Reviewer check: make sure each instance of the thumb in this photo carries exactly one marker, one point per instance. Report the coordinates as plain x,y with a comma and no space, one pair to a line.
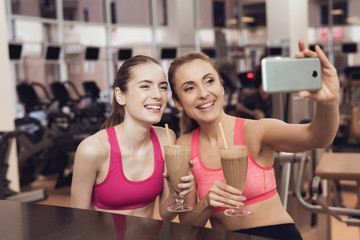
304,94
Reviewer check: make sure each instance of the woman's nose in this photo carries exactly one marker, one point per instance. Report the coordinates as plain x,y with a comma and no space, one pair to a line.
203,92
156,93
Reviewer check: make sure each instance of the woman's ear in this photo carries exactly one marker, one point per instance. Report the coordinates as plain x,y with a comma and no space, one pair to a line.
120,96
177,104
222,85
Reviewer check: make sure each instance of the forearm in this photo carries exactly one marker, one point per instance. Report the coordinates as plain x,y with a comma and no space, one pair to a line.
81,192
168,196
199,216
325,124
79,202
164,213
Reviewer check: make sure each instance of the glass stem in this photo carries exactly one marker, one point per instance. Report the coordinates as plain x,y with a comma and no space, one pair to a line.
179,200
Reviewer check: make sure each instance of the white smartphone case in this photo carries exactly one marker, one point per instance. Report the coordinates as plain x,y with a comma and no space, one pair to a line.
291,74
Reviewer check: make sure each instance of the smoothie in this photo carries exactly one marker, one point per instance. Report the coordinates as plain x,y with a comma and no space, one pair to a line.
234,161
177,160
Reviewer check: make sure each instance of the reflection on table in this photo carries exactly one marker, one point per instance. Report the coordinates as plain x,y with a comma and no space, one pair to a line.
35,221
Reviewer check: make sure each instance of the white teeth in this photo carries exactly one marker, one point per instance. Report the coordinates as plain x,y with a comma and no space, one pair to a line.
153,107
206,105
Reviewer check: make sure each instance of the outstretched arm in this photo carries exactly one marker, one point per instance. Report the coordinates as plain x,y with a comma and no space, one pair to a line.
325,124
322,129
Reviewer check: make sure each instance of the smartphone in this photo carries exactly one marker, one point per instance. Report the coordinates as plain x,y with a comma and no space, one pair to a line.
290,74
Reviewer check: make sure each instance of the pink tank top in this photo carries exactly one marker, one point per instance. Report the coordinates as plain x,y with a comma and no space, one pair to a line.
116,192
260,182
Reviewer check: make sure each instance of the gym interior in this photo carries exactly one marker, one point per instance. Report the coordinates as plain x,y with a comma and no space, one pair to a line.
60,58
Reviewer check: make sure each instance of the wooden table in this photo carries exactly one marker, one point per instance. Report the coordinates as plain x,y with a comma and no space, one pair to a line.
340,166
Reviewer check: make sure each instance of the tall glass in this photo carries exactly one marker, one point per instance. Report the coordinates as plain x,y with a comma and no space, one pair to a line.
177,160
234,161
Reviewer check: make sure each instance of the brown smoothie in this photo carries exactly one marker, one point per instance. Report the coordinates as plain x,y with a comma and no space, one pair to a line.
234,161
177,160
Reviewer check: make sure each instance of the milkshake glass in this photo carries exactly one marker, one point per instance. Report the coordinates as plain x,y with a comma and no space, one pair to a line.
234,161
177,160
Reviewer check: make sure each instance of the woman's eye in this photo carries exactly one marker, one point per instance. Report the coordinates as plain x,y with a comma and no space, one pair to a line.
163,88
187,89
211,80
144,86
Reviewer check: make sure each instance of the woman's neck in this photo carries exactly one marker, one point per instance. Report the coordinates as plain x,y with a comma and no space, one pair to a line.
132,134
210,131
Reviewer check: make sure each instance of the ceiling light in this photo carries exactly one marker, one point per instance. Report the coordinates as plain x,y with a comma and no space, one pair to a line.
232,21
353,20
337,12
248,19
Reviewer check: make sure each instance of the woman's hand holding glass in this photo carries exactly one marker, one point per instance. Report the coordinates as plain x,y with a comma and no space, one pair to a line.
223,195
187,184
178,163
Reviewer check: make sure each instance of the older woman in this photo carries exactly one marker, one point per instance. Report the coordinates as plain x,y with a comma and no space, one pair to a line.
198,94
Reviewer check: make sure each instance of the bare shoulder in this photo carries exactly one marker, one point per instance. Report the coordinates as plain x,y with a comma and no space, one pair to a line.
185,139
269,130
162,135
161,131
94,147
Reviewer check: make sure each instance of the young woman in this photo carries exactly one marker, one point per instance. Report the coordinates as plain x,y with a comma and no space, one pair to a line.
121,168
198,94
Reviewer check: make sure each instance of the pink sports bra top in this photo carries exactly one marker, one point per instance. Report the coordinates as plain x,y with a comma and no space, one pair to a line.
116,192
260,182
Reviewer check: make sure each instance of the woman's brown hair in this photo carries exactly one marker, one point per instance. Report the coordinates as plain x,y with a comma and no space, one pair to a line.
186,123
123,76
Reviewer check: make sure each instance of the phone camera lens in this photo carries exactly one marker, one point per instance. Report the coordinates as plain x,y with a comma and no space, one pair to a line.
314,73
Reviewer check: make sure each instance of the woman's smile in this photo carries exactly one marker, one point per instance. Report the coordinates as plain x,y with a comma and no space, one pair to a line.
154,107
205,107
